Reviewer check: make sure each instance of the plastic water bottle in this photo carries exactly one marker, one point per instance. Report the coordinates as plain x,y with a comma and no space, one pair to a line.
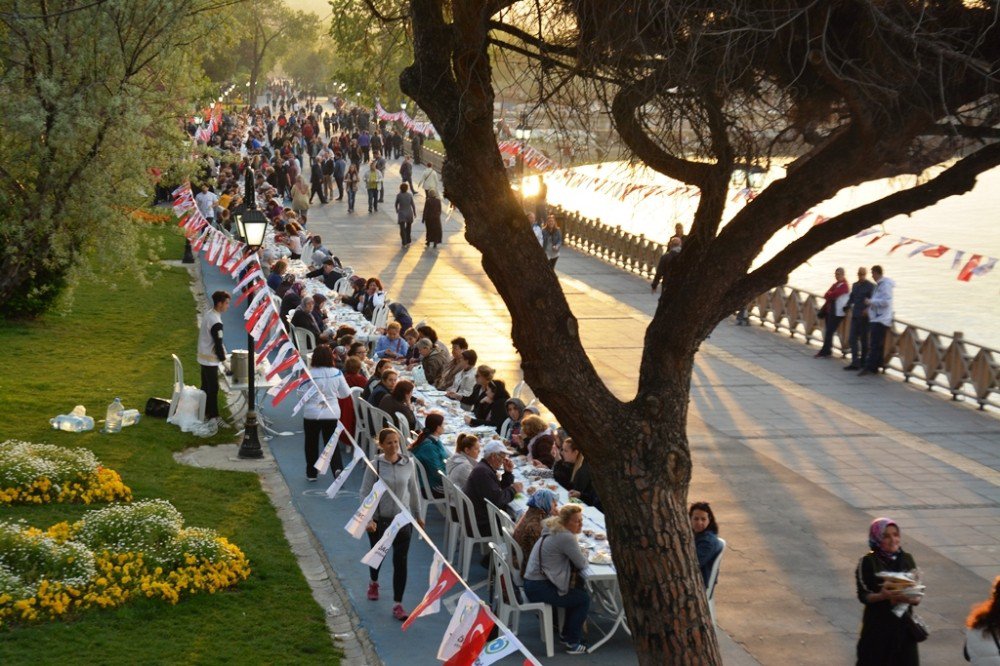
130,417
72,423
113,420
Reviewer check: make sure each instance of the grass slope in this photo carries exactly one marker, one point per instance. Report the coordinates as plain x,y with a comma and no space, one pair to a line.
117,342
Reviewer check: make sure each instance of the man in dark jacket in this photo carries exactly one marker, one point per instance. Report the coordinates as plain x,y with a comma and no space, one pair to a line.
483,484
673,249
861,291
328,271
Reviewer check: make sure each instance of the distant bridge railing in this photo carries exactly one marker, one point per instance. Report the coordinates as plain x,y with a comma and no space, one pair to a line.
941,361
633,252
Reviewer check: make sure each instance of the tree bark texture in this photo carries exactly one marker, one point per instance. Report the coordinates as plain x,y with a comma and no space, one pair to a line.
639,449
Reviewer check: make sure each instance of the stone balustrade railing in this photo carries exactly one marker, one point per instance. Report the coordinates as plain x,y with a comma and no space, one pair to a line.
942,361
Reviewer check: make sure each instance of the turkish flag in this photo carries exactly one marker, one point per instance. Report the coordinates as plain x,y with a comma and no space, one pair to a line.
936,252
474,641
967,271
445,582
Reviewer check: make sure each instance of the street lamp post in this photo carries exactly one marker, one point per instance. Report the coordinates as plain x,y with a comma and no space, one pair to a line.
252,225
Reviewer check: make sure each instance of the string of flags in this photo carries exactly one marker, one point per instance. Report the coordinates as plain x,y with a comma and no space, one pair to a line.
969,264
212,122
465,640
409,123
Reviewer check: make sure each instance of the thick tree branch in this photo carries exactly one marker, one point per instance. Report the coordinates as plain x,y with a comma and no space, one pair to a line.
627,101
953,181
966,131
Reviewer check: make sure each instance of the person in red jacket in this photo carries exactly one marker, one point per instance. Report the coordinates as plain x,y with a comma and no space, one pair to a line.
833,311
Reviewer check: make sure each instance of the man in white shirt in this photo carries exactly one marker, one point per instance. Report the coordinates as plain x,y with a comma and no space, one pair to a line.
465,378
429,181
206,202
879,320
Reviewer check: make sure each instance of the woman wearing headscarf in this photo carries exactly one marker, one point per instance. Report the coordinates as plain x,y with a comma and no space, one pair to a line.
541,505
885,636
515,410
432,218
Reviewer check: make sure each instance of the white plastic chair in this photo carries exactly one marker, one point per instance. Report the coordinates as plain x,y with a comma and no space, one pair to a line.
507,606
515,556
713,577
498,520
524,393
305,341
359,403
404,428
505,429
179,388
377,420
343,287
427,495
380,317
468,530
452,530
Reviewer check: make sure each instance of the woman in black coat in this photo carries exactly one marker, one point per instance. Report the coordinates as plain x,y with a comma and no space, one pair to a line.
432,218
491,409
885,637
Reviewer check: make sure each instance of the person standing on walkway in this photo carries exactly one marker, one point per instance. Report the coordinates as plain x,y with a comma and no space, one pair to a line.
300,198
430,180
673,249
885,637
212,352
372,180
322,410
832,311
380,165
406,211
542,199
982,633
406,174
339,173
880,320
352,181
858,338
432,219
316,181
551,240
399,473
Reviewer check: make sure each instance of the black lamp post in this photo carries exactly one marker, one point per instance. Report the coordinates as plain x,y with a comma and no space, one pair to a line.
252,225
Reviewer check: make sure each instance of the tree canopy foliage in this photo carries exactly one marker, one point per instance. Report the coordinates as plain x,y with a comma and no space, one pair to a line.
92,95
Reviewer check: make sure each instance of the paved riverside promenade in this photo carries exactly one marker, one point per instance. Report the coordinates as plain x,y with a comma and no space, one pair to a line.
796,457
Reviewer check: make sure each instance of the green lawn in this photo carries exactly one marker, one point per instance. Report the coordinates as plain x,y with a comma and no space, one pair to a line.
117,342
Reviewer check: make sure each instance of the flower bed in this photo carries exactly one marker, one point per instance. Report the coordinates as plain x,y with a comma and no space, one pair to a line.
109,557
44,473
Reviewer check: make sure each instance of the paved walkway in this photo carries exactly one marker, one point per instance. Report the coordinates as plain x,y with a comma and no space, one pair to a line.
795,455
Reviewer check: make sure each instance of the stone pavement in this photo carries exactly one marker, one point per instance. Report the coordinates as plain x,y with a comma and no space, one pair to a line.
795,455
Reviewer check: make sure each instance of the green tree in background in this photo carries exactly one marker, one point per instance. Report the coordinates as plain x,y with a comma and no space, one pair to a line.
372,50
92,95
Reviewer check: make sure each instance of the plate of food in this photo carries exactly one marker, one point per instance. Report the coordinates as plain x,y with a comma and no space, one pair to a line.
600,557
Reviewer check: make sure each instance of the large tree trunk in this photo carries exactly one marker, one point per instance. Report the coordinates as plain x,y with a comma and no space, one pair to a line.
639,449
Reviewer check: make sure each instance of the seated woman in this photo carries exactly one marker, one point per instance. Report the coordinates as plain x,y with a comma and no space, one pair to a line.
278,270
291,300
538,441
515,409
541,505
552,576
373,297
572,472
484,375
303,318
376,378
358,287
489,410
706,537
429,450
413,357
399,401
466,455
384,387
392,345
352,373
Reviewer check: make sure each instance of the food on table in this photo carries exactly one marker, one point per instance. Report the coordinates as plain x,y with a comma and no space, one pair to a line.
600,536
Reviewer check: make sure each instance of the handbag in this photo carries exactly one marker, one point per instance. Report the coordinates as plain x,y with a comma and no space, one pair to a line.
916,626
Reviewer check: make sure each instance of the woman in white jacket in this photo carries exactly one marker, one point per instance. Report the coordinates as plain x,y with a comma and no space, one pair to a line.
322,411
982,636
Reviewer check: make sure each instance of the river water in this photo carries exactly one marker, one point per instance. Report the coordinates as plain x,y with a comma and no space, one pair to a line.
928,292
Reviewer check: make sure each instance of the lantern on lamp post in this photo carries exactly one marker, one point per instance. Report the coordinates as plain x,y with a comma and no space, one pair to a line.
252,226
